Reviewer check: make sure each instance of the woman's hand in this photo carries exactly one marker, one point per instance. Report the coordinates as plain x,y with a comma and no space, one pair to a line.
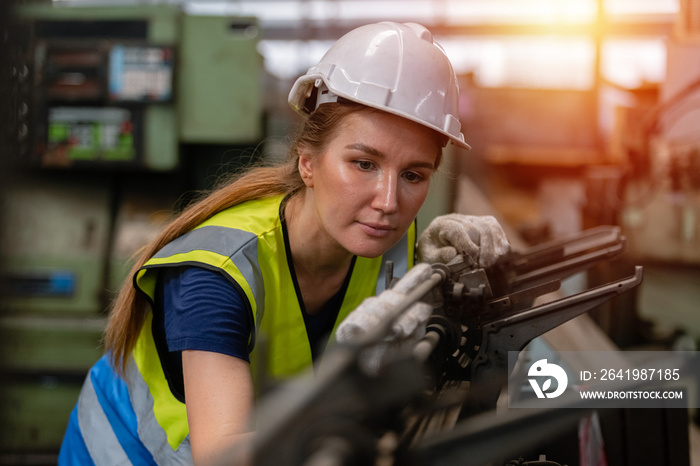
219,396
374,311
480,238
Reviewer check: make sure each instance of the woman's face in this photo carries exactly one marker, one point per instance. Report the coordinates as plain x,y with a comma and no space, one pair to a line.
372,179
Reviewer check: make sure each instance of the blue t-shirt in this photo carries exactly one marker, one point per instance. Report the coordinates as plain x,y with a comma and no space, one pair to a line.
200,309
204,311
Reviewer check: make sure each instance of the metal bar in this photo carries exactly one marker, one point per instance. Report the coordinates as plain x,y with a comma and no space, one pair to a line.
426,346
569,307
565,267
593,238
487,438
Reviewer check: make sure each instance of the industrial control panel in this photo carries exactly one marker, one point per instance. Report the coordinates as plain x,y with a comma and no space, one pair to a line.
91,99
126,87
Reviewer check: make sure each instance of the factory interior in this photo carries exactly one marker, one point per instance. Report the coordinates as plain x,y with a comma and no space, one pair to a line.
580,114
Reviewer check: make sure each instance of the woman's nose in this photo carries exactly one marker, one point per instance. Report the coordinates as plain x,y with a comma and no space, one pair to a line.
386,195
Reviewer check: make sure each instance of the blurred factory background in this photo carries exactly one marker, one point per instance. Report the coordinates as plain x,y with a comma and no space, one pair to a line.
115,113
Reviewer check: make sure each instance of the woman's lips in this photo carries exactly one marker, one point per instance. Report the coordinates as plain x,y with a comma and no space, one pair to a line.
376,230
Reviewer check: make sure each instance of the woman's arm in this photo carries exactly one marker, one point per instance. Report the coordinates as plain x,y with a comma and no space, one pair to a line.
219,396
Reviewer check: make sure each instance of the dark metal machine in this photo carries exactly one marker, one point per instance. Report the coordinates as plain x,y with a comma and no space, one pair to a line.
345,414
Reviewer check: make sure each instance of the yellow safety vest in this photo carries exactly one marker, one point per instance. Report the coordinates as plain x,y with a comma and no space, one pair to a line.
246,243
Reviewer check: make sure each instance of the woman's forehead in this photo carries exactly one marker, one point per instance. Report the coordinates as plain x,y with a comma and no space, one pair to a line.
378,133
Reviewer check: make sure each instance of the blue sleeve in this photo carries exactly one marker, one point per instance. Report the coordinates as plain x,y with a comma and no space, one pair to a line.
204,311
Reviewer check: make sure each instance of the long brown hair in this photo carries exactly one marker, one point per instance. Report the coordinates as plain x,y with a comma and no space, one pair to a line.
130,307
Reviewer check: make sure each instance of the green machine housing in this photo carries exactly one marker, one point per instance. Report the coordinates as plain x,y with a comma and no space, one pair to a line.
120,103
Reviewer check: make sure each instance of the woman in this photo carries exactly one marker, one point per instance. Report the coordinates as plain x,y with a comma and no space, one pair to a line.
246,285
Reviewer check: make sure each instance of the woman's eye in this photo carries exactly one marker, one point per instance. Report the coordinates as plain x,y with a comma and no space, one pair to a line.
364,164
413,177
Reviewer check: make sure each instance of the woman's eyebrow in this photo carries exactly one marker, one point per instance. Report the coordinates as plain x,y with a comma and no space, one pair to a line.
365,148
372,151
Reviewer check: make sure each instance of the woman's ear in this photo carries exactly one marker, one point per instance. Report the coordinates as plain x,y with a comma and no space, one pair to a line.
306,168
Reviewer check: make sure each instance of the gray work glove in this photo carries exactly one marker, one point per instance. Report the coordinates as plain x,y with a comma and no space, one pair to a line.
408,327
376,309
481,238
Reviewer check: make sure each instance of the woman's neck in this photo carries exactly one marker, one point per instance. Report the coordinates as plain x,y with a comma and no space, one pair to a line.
313,250
320,263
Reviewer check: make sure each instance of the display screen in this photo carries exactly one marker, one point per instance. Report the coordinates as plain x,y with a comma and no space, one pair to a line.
141,73
73,73
90,133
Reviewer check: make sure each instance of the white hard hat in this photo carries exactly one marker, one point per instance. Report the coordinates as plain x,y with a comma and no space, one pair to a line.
395,67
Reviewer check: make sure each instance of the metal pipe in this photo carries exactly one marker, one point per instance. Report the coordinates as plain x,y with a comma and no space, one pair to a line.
426,346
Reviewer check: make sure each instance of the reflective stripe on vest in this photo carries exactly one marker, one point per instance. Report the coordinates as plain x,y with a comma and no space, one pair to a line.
218,242
117,423
162,418
98,434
